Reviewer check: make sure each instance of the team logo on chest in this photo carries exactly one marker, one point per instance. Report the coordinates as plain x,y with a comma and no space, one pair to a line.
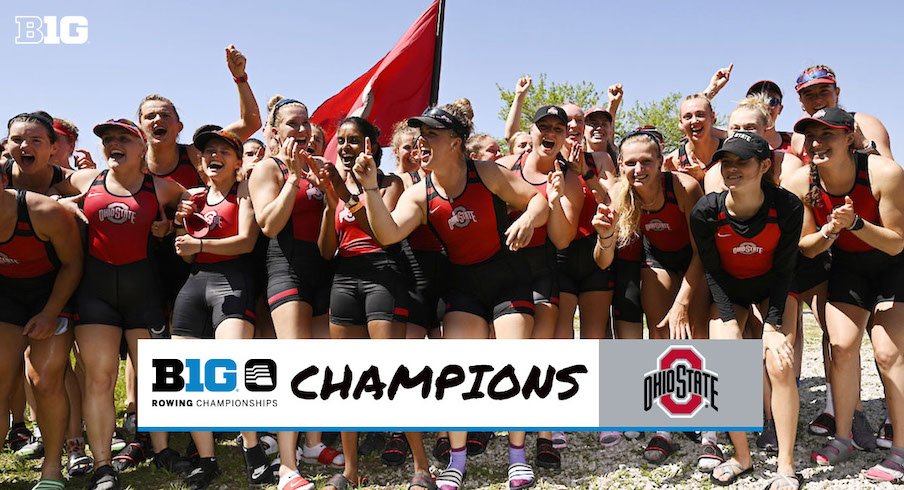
314,194
347,216
117,213
213,219
657,225
747,248
7,260
461,217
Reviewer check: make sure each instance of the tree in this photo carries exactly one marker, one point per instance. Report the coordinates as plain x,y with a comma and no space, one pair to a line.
662,113
543,93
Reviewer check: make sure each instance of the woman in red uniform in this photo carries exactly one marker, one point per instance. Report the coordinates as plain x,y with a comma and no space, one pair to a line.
747,240
854,206
40,267
217,300
656,205
120,205
465,202
697,120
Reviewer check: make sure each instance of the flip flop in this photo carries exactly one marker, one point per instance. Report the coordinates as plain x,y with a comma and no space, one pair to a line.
449,479
735,471
520,476
48,484
784,481
422,479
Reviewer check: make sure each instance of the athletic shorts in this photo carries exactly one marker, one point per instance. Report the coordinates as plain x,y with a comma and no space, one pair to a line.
677,261
626,305
126,296
213,293
22,299
427,273
865,279
578,272
367,288
810,273
171,268
297,272
544,279
746,292
491,289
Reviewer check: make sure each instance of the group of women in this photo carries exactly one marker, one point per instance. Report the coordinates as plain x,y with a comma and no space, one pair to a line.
237,238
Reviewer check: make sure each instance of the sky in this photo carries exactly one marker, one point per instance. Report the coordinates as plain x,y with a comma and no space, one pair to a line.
310,50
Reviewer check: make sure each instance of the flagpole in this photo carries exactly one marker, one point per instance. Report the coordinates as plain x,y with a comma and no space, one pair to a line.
437,54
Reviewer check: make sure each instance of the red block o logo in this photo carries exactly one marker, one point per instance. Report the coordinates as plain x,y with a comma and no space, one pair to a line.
668,360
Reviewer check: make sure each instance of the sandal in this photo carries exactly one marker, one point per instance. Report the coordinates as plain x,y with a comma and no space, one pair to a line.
18,436
547,455
449,479
610,439
784,481
373,442
520,476
326,456
711,457
49,485
130,457
732,468
105,478
559,440
891,469
396,450
659,449
442,449
477,442
422,479
833,453
337,481
77,462
294,481
822,425
884,435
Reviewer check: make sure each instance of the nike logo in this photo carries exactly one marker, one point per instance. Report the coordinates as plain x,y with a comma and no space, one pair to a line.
723,236
435,209
92,194
257,472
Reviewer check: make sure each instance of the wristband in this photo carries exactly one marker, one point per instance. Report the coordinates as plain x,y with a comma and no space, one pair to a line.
201,248
241,79
366,189
858,223
177,224
826,235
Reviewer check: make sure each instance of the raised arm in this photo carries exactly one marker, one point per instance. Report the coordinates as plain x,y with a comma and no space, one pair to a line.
566,198
718,81
513,121
249,113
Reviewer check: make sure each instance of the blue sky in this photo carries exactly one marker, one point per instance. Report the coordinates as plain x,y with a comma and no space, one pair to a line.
310,50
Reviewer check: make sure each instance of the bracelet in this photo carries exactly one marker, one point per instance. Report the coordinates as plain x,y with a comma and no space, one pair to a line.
827,236
177,224
599,241
201,241
366,189
241,79
857,224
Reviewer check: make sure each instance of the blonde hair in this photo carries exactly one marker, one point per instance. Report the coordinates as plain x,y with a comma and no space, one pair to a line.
756,103
158,98
511,141
476,143
698,95
273,112
625,197
463,111
399,130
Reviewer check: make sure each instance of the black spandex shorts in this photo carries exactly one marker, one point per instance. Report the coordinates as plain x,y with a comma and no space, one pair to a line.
366,288
499,286
22,299
578,272
810,273
171,269
865,279
626,305
677,261
297,272
427,273
544,279
213,293
126,296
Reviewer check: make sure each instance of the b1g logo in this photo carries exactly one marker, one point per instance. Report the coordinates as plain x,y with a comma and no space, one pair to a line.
215,375
681,385
70,29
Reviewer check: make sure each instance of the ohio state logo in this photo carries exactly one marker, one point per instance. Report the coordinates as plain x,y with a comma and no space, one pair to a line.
7,260
461,217
681,385
213,219
314,194
747,248
657,225
117,213
346,215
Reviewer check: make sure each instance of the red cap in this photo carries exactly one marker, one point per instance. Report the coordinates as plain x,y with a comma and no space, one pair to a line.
119,123
62,130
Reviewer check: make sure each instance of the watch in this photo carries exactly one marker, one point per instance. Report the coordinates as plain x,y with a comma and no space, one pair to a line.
857,224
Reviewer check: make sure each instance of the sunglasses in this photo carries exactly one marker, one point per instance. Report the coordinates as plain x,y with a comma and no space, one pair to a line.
816,74
773,101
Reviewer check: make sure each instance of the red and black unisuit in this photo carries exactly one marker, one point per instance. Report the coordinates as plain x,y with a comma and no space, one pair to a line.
666,240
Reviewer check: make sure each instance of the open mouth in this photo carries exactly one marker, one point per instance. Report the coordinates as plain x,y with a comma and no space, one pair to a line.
117,154
27,159
548,144
215,166
159,133
348,160
696,130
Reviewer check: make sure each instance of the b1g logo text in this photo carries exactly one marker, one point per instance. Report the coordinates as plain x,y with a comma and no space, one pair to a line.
69,29
681,385
214,375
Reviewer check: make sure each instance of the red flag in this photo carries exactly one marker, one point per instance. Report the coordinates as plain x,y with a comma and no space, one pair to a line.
399,84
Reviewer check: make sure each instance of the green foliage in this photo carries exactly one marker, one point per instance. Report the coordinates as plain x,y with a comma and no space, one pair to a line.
543,92
662,113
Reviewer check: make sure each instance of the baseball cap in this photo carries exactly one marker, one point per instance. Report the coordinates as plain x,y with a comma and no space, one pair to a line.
203,138
437,118
832,117
745,145
119,123
595,109
765,87
553,111
814,76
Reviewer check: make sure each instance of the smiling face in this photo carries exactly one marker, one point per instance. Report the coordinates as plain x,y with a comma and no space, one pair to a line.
641,162
575,123
292,121
122,148
406,153
819,96
350,144
317,143
823,143
598,128
29,145
744,119
252,152
219,159
159,122
548,136
697,118
489,150
437,145
741,174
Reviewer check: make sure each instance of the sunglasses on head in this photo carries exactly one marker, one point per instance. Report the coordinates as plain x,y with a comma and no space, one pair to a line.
815,74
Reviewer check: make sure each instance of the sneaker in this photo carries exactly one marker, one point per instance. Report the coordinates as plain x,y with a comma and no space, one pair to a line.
257,466
768,439
172,461
32,450
18,437
203,475
884,435
134,454
863,435
104,478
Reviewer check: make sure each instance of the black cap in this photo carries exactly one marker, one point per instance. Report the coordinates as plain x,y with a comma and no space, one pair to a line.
203,138
745,145
436,118
832,117
765,87
551,110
